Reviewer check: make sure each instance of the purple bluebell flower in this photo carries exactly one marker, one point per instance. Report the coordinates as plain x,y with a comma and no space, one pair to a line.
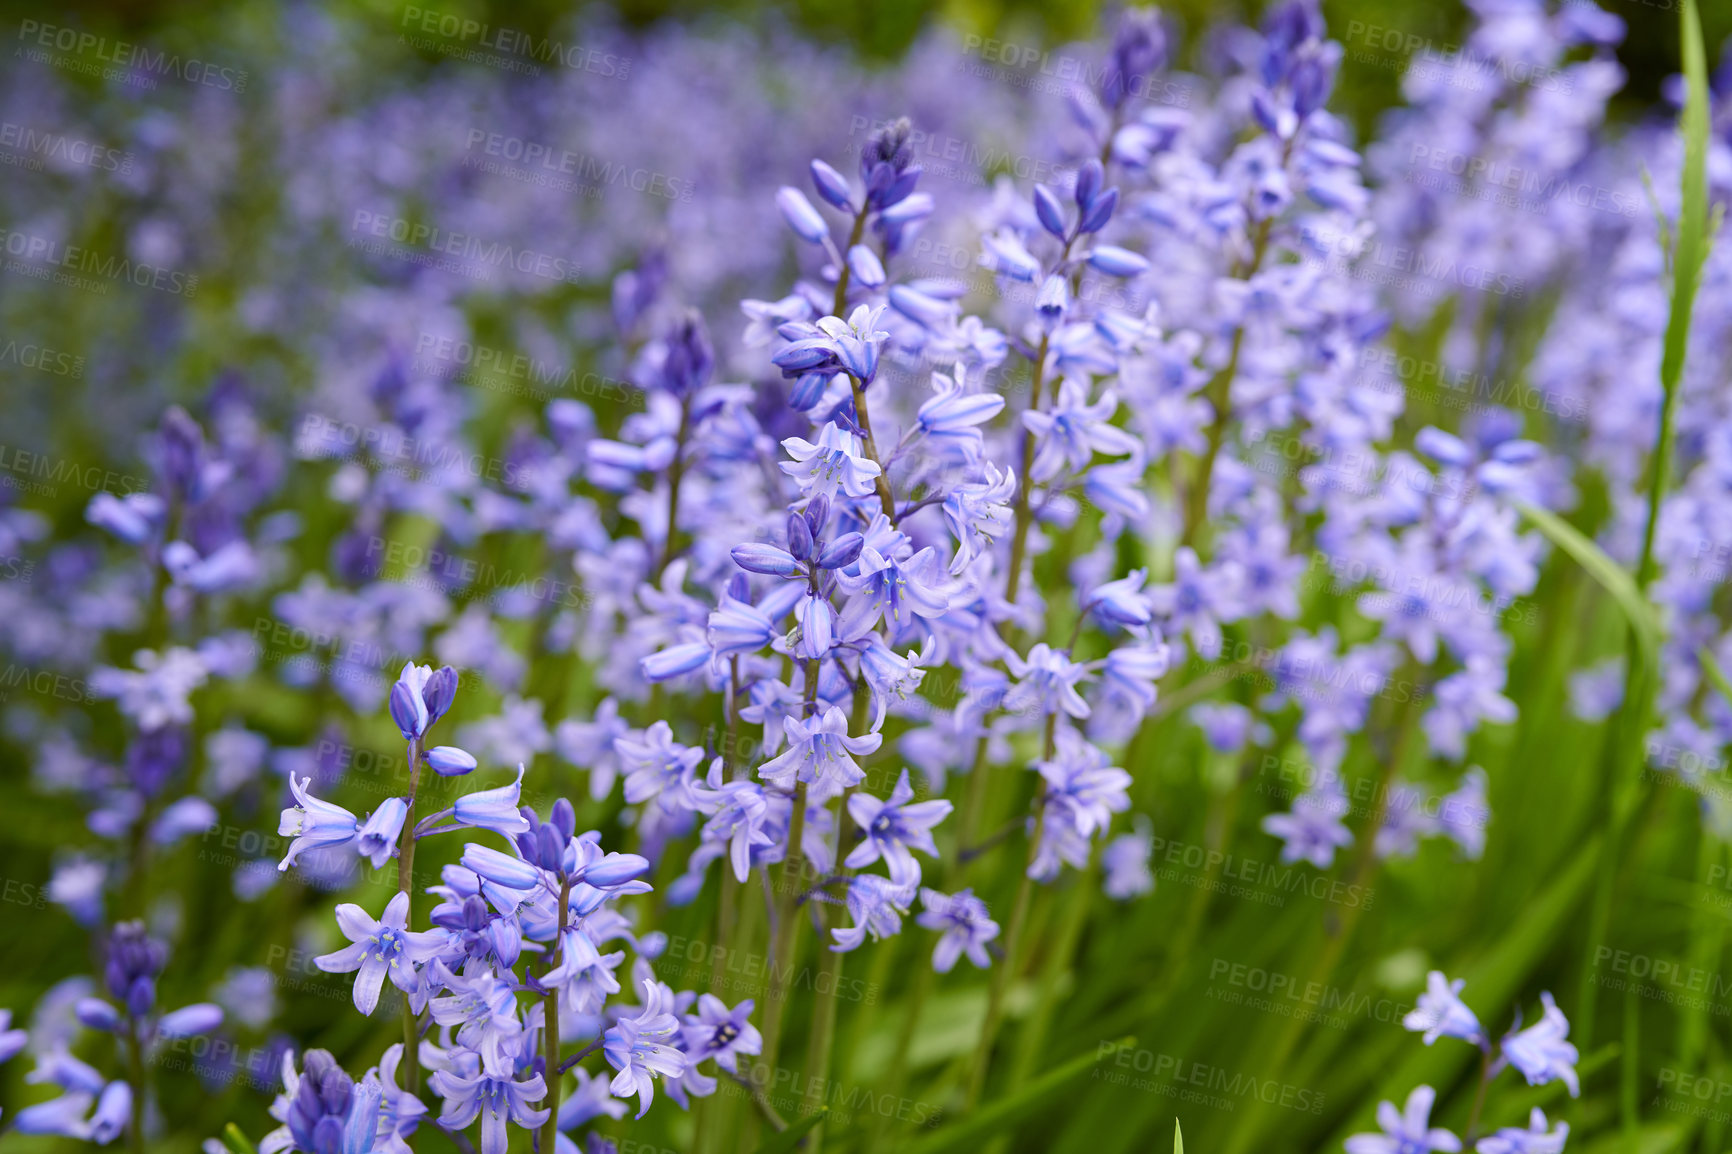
1046,682
717,1032
495,809
1125,860
893,828
1440,1012
820,752
1538,1138
876,905
327,1113
313,824
644,1045
380,948
1541,1052
1406,1131
961,920
473,1089
1312,831
835,462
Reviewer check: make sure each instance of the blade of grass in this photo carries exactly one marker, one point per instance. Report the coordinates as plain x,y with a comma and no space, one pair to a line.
1001,1112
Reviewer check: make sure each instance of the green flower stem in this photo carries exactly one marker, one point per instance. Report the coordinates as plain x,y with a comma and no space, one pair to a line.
550,1032
410,1066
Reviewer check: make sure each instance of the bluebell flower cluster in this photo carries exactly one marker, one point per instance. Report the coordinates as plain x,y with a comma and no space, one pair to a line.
870,577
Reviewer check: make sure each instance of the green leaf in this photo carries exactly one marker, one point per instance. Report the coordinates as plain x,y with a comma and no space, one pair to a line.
1178,1138
1716,676
236,1141
1692,248
1604,570
1001,1112
783,1141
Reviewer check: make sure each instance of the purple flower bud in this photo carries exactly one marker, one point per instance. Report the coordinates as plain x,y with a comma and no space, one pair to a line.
844,550
1444,447
408,710
132,955
808,389
615,870
739,588
97,1014
180,452
132,518
438,693
832,186
1088,184
449,761
675,660
190,1021
1100,211
141,997
1116,261
801,216
113,1112
1048,209
804,355
766,559
501,868
549,848
920,307
799,537
866,267
563,818
818,514
916,207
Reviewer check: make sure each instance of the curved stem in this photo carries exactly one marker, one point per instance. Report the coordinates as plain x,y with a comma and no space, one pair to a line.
411,1063
550,1032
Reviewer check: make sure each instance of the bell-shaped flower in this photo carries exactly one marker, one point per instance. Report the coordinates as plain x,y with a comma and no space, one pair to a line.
1440,1012
894,828
644,1045
821,753
834,462
381,948
1541,1053
495,809
314,824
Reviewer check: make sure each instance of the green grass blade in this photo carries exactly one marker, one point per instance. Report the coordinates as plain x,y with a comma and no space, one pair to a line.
1716,676
1178,1138
236,1141
1001,1112
783,1141
1607,572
